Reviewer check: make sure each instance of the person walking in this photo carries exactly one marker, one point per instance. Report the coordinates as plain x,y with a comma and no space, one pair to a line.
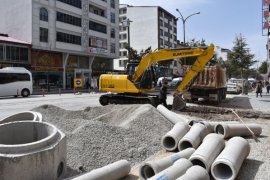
259,88
267,87
163,93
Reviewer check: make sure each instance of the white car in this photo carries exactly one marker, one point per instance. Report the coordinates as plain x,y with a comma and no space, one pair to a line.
169,79
233,88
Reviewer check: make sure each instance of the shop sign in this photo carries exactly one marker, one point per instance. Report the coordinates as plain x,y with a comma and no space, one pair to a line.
93,50
46,69
46,59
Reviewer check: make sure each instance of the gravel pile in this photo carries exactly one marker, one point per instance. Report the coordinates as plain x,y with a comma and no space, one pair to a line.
97,136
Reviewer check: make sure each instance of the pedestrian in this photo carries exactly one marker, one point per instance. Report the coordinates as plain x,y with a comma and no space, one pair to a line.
163,93
267,87
259,88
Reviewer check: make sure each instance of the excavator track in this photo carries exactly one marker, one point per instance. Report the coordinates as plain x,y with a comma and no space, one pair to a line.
128,99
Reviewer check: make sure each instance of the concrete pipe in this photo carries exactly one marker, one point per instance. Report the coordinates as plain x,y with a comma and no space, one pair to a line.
173,172
195,173
23,116
170,140
227,164
206,153
32,150
149,169
114,171
230,130
212,124
171,116
194,137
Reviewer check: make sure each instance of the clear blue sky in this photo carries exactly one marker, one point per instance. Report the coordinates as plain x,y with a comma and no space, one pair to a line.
219,22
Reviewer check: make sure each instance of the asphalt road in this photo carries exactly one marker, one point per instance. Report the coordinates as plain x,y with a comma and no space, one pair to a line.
10,105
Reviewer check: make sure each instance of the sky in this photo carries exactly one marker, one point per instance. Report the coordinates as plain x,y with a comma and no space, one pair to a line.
219,21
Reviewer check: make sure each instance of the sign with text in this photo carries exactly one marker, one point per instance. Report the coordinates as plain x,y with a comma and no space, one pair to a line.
265,17
98,51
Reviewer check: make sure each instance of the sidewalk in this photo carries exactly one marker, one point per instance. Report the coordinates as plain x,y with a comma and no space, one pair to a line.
63,91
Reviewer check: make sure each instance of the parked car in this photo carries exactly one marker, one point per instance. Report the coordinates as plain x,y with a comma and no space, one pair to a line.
176,81
159,82
233,88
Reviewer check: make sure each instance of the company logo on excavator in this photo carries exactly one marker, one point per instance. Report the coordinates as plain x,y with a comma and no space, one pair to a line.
183,53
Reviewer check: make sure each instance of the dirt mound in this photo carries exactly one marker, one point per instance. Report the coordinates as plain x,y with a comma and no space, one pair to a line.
97,136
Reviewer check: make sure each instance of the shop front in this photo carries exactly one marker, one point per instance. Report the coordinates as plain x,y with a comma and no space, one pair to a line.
47,70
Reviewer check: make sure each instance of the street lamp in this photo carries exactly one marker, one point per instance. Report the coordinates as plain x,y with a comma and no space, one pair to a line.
126,23
184,22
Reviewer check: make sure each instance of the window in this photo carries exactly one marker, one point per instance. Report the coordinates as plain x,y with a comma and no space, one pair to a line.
124,53
112,18
75,3
161,32
161,41
43,14
112,33
14,53
124,36
43,34
69,19
12,77
112,4
97,27
174,29
113,48
68,38
97,42
1,51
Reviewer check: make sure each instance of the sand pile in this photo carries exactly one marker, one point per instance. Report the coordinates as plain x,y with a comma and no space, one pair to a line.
97,136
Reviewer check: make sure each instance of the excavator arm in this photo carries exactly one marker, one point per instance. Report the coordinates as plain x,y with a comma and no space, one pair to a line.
197,67
163,55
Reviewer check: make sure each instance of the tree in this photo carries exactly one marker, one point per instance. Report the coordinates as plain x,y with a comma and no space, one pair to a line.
240,58
134,55
263,68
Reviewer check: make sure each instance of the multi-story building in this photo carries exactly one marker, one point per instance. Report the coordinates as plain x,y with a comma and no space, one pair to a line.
221,53
70,38
148,26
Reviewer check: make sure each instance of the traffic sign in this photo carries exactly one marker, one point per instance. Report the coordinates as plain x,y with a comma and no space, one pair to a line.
78,83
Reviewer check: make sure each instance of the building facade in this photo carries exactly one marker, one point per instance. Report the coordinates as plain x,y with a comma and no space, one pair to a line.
70,38
14,53
142,27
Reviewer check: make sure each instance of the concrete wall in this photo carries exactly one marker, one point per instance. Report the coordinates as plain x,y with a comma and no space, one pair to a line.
16,19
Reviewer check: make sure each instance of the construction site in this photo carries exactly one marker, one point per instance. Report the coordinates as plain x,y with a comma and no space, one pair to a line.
129,142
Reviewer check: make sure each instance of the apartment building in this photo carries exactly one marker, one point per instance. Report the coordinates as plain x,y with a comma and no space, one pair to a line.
70,38
148,26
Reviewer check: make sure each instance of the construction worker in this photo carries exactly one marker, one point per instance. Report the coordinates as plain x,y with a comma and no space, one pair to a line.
163,92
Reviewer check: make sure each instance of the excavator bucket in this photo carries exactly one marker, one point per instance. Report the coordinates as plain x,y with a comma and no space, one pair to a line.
178,102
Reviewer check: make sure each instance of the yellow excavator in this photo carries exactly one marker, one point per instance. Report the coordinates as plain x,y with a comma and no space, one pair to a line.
138,85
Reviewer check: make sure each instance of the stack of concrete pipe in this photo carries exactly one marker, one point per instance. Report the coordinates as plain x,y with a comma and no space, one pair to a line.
212,153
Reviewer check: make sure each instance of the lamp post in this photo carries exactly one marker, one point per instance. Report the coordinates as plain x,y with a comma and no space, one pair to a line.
126,23
184,22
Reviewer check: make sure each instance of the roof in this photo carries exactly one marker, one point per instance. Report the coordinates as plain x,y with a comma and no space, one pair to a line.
6,38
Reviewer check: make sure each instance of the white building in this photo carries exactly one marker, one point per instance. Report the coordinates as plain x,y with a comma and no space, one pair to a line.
221,53
150,26
70,38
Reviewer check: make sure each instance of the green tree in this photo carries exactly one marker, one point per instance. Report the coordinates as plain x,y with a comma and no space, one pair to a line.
263,68
134,55
240,59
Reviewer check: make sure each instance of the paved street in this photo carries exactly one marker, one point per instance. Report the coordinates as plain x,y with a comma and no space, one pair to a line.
12,105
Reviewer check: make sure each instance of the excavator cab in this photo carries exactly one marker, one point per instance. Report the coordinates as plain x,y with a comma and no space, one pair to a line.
147,80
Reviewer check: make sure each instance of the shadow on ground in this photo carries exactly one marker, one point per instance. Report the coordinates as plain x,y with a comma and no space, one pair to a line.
252,166
239,102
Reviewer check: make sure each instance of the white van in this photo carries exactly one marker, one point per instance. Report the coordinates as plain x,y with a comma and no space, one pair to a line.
159,82
15,81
